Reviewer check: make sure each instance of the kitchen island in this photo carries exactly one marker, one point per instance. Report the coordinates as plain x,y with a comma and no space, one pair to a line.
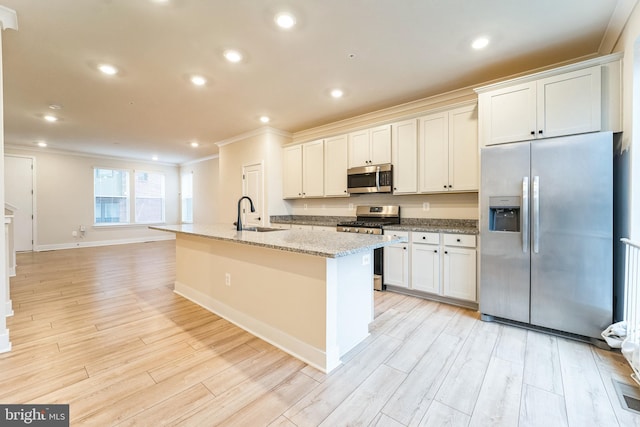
307,292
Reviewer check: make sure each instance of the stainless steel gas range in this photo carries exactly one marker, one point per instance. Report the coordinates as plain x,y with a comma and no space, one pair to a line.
371,220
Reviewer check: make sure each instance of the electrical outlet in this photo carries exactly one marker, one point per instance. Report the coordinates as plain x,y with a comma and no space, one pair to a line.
227,279
350,206
82,229
74,233
366,259
425,206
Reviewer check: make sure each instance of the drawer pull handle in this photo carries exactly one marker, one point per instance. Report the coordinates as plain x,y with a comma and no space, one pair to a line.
458,240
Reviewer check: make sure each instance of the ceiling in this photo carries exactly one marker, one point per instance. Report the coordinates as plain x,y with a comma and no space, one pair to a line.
379,52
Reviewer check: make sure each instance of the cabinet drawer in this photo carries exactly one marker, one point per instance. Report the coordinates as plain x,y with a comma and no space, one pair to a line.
395,233
466,240
423,237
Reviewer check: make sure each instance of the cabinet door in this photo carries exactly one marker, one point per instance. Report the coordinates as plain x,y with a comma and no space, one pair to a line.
509,114
463,149
335,166
434,153
459,275
425,267
380,149
313,169
570,103
359,148
292,172
404,148
396,265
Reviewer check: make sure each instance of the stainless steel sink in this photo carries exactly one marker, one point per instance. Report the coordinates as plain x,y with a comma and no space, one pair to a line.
261,229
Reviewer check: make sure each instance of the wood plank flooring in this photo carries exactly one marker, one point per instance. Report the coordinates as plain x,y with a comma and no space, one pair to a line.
102,330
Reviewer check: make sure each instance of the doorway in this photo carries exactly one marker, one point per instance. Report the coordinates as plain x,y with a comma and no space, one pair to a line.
19,192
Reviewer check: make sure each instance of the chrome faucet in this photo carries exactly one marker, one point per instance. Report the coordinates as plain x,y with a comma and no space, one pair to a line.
239,222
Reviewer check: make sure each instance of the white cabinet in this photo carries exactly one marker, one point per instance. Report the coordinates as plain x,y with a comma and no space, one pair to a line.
459,266
335,166
292,172
448,151
313,169
303,170
444,265
425,262
396,262
563,104
404,156
370,146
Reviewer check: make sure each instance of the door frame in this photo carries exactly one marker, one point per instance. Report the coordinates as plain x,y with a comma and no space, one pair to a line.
34,198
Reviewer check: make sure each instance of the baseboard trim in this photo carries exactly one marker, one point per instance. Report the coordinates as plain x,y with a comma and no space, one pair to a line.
5,344
89,244
285,342
9,309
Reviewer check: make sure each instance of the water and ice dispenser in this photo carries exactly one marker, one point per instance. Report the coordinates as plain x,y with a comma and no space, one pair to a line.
504,213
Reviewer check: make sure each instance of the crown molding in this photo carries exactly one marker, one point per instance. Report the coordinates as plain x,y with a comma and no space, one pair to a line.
617,22
264,130
202,159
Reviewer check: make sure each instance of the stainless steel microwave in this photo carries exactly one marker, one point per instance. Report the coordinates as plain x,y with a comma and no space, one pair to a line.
370,179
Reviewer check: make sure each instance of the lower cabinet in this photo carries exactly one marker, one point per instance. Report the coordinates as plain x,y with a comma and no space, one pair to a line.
396,262
441,264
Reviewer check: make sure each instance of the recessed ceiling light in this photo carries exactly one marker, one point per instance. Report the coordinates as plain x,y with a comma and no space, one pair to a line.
50,118
194,144
233,55
480,43
198,80
42,144
154,158
264,119
108,69
337,93
285,20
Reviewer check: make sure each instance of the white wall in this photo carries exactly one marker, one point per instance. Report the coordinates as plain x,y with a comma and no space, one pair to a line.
64,200
263,145
205,189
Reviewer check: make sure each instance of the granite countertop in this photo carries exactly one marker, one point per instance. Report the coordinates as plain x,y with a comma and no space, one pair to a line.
434,225
455,226
311,242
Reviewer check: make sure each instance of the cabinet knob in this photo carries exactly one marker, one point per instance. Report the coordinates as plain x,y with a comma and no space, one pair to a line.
446,252
299,194
444,186
540,131
405,248
395,188
424,237
458,240
533,132
259,219
450,186
435,251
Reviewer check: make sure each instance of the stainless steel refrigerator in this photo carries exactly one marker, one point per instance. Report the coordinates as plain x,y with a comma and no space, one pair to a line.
546,227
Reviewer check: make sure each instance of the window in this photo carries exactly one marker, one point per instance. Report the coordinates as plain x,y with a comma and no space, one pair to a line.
149,192
113,192
111,196
186,182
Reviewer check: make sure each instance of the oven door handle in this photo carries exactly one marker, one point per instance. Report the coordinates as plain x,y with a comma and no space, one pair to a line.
378,178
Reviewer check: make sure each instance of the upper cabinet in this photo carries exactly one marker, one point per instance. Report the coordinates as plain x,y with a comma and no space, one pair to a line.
370,146
448,151
404,156
335,166
574,99
304,170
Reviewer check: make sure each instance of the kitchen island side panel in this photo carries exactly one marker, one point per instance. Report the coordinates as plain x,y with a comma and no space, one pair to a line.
295,301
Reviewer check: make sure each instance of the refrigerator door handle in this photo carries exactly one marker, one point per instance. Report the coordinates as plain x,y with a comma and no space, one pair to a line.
536,214
525,214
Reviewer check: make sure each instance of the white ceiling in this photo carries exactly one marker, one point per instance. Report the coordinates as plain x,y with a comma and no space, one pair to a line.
404,50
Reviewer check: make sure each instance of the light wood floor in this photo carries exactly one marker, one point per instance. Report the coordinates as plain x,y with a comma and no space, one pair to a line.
101,330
